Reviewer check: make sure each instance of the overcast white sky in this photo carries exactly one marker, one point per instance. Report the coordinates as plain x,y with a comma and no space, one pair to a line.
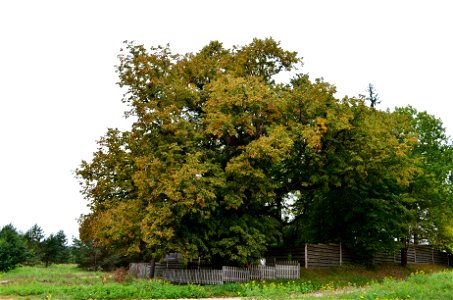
57,81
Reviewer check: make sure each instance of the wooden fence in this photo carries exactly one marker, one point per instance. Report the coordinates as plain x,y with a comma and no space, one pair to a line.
278,271
312,255
331,255
417,254
282,263
140,270
226,274
200,276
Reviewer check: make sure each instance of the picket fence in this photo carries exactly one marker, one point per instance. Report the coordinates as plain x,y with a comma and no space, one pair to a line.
284,270
183,276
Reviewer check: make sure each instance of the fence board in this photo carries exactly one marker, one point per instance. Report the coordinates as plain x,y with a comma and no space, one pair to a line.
285,254
287,271
201,276
323,255
140,270
384,258
235,274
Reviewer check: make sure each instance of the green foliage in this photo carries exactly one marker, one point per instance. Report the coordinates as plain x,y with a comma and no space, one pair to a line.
13,249
357,167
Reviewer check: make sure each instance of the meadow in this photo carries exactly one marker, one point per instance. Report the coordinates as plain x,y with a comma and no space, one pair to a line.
348,282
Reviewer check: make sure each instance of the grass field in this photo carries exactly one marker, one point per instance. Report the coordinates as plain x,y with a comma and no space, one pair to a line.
352,282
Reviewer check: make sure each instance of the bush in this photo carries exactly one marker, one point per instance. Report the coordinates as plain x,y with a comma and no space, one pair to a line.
120,275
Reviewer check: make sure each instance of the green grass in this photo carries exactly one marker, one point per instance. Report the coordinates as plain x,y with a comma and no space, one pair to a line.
418,286
391,283
69,282
347,276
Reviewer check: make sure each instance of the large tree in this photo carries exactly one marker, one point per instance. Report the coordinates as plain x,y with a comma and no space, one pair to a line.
221,159
192,174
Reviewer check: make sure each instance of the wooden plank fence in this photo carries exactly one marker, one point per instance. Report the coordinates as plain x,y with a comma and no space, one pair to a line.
326,255
226,274
416,254
281,254
140,270
332,255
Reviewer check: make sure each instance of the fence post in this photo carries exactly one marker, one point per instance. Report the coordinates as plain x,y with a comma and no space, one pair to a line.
341,255
306,256
432,255
152,267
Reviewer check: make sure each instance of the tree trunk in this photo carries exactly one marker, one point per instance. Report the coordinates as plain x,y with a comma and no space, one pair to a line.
404,256
152,267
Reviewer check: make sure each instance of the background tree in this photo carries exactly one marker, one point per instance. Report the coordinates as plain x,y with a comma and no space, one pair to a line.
55,249
34,238
88,255
429,196
13,249
372,96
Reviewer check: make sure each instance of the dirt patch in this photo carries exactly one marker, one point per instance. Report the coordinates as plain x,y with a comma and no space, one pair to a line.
341,291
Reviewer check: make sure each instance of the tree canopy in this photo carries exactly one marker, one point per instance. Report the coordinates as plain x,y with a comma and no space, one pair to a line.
222,161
